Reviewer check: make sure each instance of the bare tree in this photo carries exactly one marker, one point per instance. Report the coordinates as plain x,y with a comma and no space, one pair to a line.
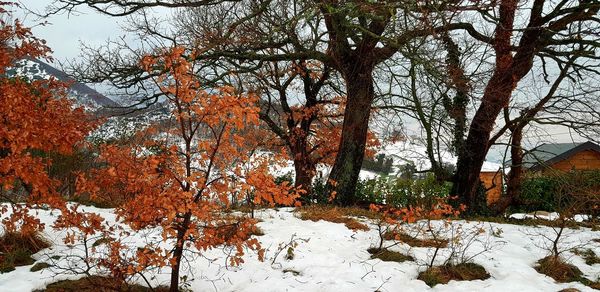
547,34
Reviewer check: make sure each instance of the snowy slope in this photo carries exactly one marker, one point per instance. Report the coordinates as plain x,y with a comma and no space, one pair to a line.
334,258
119,125
404,152
34,69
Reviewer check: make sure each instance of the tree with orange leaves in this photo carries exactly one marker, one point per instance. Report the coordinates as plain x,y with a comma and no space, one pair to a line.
35,116
180,179
303,110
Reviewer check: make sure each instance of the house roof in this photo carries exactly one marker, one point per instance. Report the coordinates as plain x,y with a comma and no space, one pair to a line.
548,154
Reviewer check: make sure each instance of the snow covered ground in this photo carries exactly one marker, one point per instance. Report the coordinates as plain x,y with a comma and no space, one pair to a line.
334,258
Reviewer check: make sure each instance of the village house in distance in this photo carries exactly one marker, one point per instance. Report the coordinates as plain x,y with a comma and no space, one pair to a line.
546,158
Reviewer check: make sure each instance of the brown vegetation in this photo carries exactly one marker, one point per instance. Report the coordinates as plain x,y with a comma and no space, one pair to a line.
562,272
16,250
96,284
333,214
533,222
415,242
461,272
558,270
387,255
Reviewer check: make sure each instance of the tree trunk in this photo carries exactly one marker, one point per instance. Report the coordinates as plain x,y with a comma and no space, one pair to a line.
475,148
509,69
345,171
456,107
304,174
515,176
178,253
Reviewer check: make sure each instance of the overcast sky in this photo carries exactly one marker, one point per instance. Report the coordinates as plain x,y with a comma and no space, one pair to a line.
65,33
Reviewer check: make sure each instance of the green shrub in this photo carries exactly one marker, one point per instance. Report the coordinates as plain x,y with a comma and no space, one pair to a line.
390,190
319,191
401,191
407,171
537,194
558,191
481,207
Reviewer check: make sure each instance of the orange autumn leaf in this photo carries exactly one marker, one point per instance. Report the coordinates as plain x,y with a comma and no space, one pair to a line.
35,118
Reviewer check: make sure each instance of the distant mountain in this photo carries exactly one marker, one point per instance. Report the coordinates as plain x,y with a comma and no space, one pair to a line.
34,69
121,122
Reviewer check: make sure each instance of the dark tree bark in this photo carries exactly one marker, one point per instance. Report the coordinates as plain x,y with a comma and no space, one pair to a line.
178,254
304,166
512,64
515,176
457,106
496,96
346,169
356,63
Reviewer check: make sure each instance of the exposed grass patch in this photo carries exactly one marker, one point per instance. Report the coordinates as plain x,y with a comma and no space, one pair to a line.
562,272
461,272
359,212
558,270
389,255
331,214
245,208
16,250
97,283
345,211
355,225
39,267
588,255
413,241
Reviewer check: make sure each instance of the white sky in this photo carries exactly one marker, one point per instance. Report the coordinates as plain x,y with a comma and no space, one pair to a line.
64,33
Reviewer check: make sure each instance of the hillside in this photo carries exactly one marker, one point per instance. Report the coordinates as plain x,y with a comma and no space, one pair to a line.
85,96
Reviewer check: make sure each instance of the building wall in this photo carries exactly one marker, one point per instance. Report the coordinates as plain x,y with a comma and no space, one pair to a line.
584,160
493,182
